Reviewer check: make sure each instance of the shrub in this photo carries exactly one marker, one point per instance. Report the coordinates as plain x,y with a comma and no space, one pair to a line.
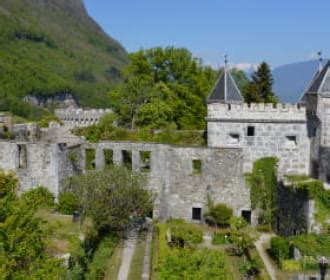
219,215
312,244
98,266
184,234
264,228
39,197
195,264
290,265
237,223
68,203
279,249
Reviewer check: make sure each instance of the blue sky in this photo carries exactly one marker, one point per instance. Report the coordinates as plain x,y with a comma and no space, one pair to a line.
249,31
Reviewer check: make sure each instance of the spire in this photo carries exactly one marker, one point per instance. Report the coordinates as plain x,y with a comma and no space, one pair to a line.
319,55
225,89
321,81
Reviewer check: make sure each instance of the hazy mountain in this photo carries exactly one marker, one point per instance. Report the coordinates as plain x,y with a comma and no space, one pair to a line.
291,80
50,47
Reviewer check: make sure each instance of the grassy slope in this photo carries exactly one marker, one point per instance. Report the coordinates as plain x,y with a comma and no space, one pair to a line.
53,46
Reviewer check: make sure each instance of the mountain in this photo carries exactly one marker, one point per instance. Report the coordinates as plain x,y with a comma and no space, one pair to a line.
291,80
53,47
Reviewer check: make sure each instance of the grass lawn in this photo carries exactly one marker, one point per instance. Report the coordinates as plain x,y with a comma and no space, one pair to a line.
61,229
136,268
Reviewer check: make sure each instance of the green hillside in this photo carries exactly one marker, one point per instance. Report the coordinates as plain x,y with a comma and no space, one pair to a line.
49,47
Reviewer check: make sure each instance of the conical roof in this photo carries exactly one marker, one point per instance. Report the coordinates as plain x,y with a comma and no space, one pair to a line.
321,81
225,90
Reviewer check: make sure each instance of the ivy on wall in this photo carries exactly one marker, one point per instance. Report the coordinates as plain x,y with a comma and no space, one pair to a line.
263,182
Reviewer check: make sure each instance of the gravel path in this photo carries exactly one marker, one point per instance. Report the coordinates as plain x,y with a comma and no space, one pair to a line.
265,238
128,253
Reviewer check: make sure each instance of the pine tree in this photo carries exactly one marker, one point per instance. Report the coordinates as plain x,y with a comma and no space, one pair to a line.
260,88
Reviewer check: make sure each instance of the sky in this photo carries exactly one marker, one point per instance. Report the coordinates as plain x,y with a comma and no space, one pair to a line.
248,31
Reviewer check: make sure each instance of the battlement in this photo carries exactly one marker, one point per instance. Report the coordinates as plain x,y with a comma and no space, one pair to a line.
80,117
256,111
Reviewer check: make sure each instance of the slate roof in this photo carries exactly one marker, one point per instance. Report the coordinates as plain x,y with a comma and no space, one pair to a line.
321,81
225,90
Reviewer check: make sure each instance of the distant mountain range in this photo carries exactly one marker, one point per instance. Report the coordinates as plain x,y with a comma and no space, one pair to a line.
291,80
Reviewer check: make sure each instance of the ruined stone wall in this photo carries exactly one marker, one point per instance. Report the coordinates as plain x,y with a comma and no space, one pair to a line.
178,187
35,164
261,131
72,118
172,175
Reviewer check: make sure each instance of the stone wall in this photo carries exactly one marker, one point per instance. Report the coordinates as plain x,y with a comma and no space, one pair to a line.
35,164
72,118
262,131
178,187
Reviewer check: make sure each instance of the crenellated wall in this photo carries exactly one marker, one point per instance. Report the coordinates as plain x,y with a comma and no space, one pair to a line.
256,111
72,118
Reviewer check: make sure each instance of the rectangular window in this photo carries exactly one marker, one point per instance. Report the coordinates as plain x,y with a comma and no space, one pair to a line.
145,160
328,178
246,215
197,214
108,157
233,138
197,166
291,140
127,159
22,156
250,131
90,159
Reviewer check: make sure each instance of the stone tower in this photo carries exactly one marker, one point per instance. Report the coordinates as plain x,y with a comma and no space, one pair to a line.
260,130
317,101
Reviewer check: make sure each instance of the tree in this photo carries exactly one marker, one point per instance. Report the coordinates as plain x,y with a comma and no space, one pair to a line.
163,87
260,88
111,197
23,252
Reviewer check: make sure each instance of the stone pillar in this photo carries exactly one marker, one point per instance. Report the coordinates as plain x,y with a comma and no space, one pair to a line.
99,158
135,161
117,157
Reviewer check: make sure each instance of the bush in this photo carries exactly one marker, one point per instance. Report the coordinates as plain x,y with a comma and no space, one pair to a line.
39,197
290,265
195,264
219,215
67,203
312,244
237,223
184,234
279,249
98,266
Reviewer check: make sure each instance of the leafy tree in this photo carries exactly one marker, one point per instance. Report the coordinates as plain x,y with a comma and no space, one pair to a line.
110,197
22,242
260,88
163,87
68,203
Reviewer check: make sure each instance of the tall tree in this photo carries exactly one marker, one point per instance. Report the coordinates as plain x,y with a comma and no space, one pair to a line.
163,88
23,253
260,89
